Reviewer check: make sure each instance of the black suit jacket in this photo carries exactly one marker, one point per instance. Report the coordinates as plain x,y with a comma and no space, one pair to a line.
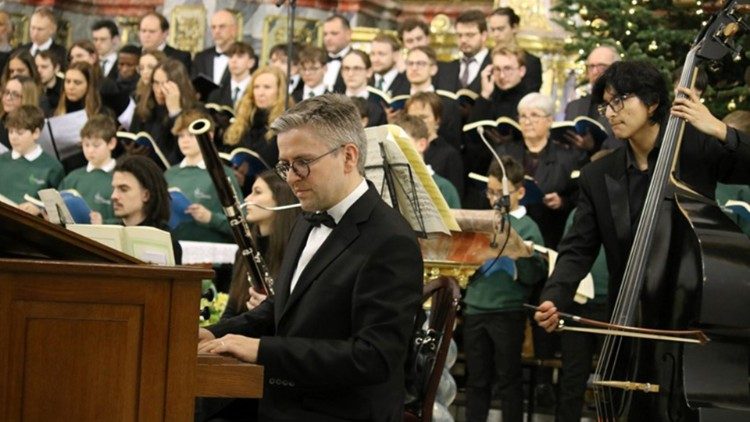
4,56
533,77
180,55
602,213
582,107
334,348
448,76
399,86
203,63
223,95
60,51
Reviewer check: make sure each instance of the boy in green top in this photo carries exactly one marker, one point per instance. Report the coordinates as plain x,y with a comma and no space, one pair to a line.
27,169
494,320
94,182
418,132
208,224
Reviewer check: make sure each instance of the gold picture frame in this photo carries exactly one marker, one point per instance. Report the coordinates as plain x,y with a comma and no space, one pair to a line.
306,32
187,27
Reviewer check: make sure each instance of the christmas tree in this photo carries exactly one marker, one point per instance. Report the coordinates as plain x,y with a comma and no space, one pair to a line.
659,31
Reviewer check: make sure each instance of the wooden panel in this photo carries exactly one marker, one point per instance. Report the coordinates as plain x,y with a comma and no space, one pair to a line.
220,376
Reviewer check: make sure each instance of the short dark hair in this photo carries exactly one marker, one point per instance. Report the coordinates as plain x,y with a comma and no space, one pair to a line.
312,54
131,49
362,55
151,178
239,47
163,22
427,51
28,117
51,56
341,18
410,24
430,99
701,78
387,39
361,104
635,77
513,18
110,25
513,170
473,16
99,126
283,48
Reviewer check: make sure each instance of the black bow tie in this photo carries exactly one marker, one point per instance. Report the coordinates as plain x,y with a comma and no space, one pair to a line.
318,218
334,59
217,53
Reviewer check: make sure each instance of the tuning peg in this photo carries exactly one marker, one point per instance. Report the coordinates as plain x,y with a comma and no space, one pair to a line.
209,294
205,313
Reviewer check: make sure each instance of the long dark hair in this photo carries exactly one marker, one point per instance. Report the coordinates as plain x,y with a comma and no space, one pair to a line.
151,178
92,101
176,72
281,226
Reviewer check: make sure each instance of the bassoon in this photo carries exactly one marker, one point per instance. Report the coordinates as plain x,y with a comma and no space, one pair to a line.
258,274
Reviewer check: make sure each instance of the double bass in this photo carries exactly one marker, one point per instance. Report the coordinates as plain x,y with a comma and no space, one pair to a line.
689,268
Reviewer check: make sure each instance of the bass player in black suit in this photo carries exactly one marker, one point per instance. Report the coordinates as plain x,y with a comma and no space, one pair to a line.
153,31
334,337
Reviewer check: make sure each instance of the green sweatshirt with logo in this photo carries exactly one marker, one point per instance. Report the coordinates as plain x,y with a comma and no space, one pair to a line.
21,176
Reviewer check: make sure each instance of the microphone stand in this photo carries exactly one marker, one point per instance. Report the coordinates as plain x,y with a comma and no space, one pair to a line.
291,11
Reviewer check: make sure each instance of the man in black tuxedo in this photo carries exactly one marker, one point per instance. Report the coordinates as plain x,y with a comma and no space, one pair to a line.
384,51
241,62
599,60
634,97
213,61
153,31
471,30
503,26
337,40
106,38
42,30
333,339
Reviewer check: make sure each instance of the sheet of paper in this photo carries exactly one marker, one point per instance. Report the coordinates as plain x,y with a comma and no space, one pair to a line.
66,132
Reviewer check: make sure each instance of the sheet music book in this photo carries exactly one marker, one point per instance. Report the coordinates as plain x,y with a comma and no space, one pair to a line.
66,130
418,196
148,244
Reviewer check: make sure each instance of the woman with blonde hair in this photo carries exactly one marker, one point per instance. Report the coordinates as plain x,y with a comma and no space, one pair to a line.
261,104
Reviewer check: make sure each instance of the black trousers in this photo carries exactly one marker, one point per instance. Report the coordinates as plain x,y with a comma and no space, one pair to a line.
493,353
578,350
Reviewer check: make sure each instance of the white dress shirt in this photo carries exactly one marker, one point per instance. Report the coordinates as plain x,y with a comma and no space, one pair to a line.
221,61
474,67
318,90
37,48
388,78
107,62
334,67
318,235
242,85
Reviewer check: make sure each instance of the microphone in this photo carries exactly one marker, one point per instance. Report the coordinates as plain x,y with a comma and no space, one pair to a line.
503,204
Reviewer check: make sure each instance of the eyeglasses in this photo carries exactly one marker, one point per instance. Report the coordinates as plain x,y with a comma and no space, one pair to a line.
299,166
597,66
12,94
497,193
310,69
616,104
505,69
532,117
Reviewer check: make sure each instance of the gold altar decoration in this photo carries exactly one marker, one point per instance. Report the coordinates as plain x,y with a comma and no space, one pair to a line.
187,28
306,31
362,35
128,29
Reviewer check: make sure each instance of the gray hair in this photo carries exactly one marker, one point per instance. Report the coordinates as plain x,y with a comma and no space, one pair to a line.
334,119
612,49
538,101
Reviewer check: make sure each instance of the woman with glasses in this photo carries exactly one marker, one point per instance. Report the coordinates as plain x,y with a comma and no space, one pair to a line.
170,93
547,165
356,70
17,91
261,104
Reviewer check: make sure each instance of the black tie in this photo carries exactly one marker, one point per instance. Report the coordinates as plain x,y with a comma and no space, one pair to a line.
318,218
334,59
217,53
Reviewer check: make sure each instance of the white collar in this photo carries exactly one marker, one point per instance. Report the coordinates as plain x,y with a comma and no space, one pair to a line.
480,56
337,211
44,47
242,85
430,88
107,167
30,156
344,51
201,164
519,212
162,46
110,58
317,90
363,93
389,76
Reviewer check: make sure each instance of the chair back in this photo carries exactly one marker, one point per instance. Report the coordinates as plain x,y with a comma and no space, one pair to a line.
430,347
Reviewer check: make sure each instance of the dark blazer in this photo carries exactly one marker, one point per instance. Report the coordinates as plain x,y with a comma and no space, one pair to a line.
602,213
583,107
113,72
223,95
533,77
180,55
399,86
203,63
448,75
60,51
298,90
334,348
445,160
553,174
375,112
4,56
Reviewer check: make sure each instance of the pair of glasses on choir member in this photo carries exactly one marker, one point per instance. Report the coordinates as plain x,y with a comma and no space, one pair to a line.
300,166
497,193
616,104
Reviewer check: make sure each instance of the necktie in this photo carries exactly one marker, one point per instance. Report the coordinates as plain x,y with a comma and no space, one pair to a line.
218,53
334,59
310,94
235,94
379,82
464,78
103,64
317,218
